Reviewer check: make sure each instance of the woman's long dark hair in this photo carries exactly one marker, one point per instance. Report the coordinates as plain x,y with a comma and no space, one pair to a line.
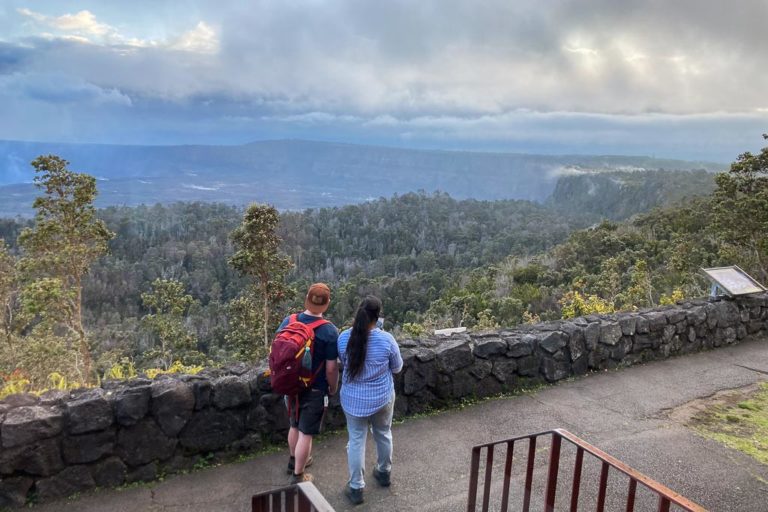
367,312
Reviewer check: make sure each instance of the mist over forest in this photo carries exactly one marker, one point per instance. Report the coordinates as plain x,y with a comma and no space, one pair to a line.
295,174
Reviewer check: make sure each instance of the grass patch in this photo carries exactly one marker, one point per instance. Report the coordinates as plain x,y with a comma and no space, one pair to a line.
742,426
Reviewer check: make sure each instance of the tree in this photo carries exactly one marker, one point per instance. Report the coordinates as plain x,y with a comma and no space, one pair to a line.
8,295
575,304
65,240
245,318
741,210
168,304
258,256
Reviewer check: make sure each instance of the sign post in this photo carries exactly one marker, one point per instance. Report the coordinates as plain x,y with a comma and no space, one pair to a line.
731,280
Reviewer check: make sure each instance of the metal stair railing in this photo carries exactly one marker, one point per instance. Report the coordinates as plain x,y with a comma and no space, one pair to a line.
665,496
302,497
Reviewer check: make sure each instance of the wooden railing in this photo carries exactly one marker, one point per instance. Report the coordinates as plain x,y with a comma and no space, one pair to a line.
662,496
303,497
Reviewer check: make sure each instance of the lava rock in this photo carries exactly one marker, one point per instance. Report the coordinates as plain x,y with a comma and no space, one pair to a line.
21,400
230,392
554,370
144,442
656,320
553,341
256,418
69,481
41,458
26,424
172,405
412,381
610,333
13,491
592,335
517,347
481,369
628,325
487,347
88,447
504,370
109,473
453,354
668,332
210,430
132,404
696,315
89,412
145,473
576,347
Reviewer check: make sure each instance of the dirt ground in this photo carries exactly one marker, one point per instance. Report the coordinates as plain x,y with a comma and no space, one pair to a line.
737,418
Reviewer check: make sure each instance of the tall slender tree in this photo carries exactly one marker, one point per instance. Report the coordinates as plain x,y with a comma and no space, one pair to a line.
258,256
741,210
8,294
65,240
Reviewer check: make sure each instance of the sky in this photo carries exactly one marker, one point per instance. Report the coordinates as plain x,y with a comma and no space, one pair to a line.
680,79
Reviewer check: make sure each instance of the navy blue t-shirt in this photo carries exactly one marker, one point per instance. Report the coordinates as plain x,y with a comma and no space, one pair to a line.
325,347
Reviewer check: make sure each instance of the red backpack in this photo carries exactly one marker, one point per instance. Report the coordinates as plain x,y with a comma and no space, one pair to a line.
290,358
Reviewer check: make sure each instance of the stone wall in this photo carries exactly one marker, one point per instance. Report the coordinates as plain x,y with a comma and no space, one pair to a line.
62,443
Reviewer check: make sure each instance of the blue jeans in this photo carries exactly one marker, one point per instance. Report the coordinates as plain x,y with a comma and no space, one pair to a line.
381,428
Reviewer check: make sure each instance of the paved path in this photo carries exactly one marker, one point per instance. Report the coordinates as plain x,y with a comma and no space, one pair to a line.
624,413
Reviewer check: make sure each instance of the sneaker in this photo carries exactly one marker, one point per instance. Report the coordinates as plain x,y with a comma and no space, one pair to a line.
301,477
292,464
381,477
355,496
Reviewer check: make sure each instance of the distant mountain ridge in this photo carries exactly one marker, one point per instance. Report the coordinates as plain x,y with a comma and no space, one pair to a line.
297,174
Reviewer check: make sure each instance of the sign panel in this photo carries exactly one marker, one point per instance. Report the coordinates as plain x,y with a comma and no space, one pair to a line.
733,280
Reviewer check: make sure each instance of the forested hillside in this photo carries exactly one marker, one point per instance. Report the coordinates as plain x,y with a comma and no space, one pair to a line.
619,195
167,290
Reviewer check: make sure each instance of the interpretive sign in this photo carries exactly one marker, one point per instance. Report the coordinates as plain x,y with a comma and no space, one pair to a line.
733,281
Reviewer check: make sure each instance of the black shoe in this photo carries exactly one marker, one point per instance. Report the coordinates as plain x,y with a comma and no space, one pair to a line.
292,464
381,477
355,496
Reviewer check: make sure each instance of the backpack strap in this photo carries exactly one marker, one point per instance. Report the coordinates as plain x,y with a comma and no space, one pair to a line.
314,325
293,318
317,323
317,372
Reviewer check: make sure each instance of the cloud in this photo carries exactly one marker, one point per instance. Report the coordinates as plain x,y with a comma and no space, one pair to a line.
314,118
442,57
81,22
580,51
83,27
58,89
201,39
451,73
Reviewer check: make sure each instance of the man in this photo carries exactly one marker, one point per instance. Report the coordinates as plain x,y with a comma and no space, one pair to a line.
311,403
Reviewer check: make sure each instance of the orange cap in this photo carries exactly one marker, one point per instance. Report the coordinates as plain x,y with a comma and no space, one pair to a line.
318,298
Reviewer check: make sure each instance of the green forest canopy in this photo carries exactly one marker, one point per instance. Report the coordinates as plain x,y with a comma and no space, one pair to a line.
435,262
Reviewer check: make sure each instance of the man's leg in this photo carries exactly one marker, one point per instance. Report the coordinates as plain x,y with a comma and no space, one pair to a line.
310,417
293,438
302,449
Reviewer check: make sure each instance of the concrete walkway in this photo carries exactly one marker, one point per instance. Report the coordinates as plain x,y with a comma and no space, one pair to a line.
625,413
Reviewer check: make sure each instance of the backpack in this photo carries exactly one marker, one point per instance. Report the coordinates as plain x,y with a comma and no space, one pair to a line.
290,357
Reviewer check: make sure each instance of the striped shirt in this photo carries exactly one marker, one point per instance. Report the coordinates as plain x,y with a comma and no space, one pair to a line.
373,387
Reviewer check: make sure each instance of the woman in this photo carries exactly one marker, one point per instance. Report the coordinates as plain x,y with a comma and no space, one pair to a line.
369,357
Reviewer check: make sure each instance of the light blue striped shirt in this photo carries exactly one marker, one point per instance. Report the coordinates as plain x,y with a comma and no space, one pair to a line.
373,387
